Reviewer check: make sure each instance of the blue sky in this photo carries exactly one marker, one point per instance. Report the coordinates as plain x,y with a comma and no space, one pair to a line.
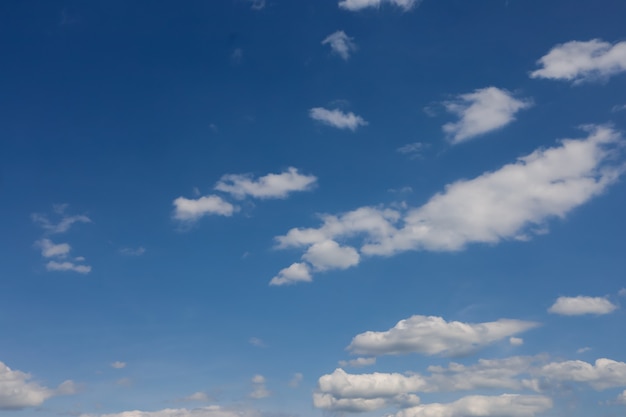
266,208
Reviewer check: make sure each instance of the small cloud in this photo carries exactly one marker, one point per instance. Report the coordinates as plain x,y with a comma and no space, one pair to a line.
621,399
190,210
268,186
257,4
341,44
296,380
296,272
516,341
68,266
622,292
64,224
133,251
124,382
618,108
255,341
357,363
118,365
413,150
197,396
357,5
337,118
258,388
583,349
577,306
52,250
402,190
236,56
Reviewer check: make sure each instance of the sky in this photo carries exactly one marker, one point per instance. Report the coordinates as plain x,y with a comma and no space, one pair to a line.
271,208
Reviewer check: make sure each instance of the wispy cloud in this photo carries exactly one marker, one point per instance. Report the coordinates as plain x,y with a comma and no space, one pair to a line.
296,380
68,266
579,62
512,202
52,250
341,44
356,5
255,341
358,362
481,112
337,118
266,187
580,305
118,365
259,390
257,4
413,150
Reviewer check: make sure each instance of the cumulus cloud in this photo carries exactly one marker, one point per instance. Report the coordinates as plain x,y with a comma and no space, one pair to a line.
296,272
210,411
337,118
430,335
356,5
68,266
190,210
268,186
52,250
577,306
579,62
482,111
513,202
17,391
358,362
621,399
341,44
259,390
605,373
329,255
506,405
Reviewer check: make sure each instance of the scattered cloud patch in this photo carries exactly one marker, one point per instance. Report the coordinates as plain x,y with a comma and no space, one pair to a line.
337,118
63,225
197,396
431,335
296,380
259,389
515,200
17,391
618,108
52,250
413,150
329,255
190,210
118,365
622,292
583,349
516,341
577,306
585,61
257,4
296,272
358,362
357,5
138,251
341,44
266,187
481,112
255,341
210,411
68,266
604,374
621,399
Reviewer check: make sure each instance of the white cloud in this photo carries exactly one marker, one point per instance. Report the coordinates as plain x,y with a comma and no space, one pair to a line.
618,108
138,251
197,396
605,373
257,4
583,349
516,341
576,306
413,150
118,365
329,255
259,390
341,44
515,200
63,225
582,61
191,210
255,341
210,411
296,272
430,335
621,399
337,118
296,380
68,266
506,405
356,5
17,391
622,292
268,186
52,250
358,362
482,111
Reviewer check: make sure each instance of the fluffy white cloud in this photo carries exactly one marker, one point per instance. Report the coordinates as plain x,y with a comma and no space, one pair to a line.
296,272
356,5
577,306
68,266
605,373
621,399
190,210
268,186
341,44
358,362
506,405
329,255
482,111
259,390
17,391
512,202
516,341
432,335
210,411
52,250
337,118
582,61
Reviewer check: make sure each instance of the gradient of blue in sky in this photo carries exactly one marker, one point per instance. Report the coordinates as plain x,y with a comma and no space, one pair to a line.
295,208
